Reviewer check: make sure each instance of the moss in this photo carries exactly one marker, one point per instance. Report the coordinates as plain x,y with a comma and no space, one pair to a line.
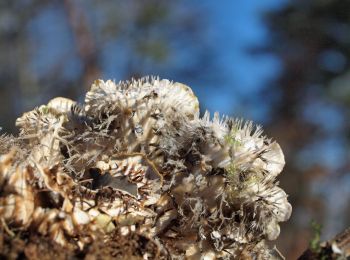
230,138
315,243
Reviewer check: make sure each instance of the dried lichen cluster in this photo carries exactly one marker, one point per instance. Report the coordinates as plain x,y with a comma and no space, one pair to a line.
136,158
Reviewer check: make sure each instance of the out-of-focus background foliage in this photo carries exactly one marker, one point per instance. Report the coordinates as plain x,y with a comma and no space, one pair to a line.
284,64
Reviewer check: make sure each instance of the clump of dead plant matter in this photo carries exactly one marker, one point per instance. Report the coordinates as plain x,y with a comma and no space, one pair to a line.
136,171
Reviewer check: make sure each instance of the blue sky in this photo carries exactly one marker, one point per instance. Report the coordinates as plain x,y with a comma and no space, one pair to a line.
237,26
232,28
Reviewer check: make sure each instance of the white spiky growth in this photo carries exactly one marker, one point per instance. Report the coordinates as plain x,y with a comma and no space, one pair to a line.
137,157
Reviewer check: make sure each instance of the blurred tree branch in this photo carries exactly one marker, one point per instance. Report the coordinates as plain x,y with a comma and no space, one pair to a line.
309,120
85,42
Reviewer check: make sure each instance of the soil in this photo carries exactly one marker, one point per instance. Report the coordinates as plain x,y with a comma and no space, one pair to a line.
114,246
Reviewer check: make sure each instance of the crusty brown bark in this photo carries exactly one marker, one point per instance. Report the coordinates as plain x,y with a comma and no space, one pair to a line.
336,248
